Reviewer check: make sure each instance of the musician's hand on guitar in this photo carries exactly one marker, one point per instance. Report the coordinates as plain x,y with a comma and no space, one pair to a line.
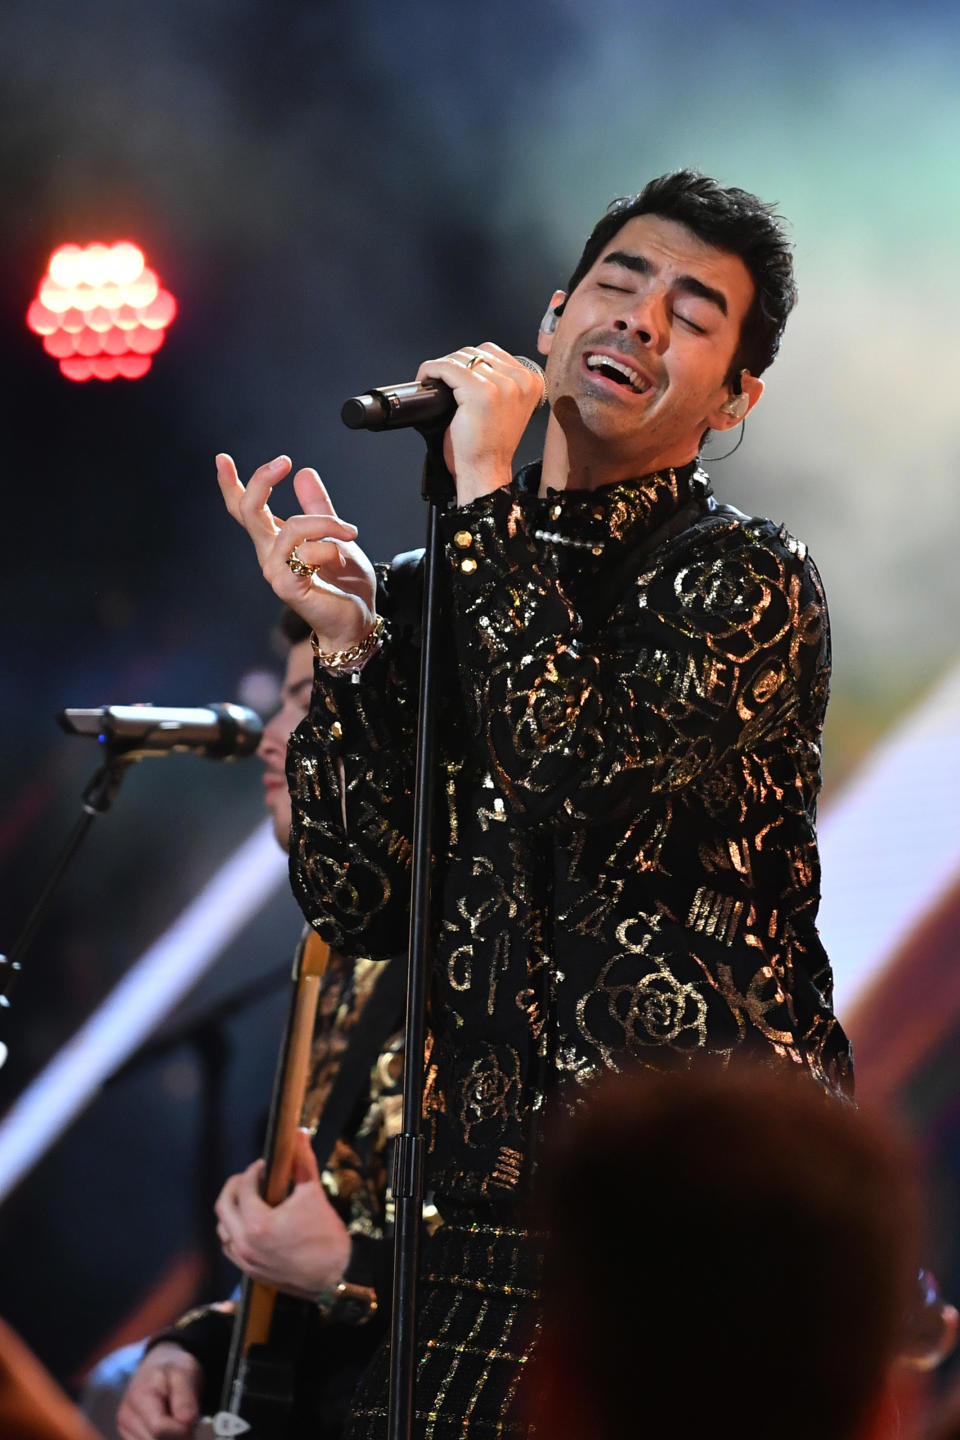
162,1401
300,1246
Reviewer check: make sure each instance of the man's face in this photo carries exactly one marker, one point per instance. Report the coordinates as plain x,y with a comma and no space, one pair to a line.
669,307
295,698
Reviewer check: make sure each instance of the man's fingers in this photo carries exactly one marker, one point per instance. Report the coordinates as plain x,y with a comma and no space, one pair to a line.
305,1168
182,1396
300,529
479,368
226,1201
131,1427
242,499
230,486
145,1413
230,1222
490,357
324,555
454,369
250,1205
248,504
258,490
490,347
500,363
318,541
312,493
332,577
130,1423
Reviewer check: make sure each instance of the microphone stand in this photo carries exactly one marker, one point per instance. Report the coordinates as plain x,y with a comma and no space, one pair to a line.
97,799
120,751
437,490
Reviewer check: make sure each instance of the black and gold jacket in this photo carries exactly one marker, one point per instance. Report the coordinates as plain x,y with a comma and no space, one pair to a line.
634,683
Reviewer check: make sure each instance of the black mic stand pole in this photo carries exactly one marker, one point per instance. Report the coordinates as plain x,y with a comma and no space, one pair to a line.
97,799
437,490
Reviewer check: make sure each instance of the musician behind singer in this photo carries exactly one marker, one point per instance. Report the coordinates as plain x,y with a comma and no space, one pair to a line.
333,1227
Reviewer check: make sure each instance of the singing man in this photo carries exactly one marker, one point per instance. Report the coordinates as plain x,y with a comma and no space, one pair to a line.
626,861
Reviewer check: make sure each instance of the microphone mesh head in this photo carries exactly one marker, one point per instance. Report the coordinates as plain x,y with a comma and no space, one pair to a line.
537,370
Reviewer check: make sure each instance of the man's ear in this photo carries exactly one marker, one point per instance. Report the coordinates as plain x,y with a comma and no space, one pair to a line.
549,322
738,403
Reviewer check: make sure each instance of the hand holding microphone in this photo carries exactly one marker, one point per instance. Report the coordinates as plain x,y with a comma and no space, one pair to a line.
415,402
483,394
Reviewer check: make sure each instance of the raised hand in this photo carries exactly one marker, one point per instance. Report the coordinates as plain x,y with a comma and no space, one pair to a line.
300,1246
162,1401
337,599
495,396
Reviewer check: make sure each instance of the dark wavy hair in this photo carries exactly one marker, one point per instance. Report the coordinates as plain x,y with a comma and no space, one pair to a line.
292,627
728,219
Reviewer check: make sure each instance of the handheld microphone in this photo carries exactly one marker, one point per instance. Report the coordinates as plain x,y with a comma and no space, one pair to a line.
418,402
220,732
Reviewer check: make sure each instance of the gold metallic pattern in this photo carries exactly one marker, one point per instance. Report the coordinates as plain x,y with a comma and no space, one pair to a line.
715,915
507,1171
478,1336
355,1175
626,864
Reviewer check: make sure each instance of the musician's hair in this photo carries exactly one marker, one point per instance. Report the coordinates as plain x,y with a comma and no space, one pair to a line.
729,219
293,627
731,1252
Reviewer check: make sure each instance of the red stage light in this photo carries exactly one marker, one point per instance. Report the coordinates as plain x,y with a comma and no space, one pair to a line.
101,311
60,344
132,366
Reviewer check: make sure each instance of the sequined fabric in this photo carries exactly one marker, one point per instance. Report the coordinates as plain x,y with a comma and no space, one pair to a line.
627,867
355,1175
477,1326
633,688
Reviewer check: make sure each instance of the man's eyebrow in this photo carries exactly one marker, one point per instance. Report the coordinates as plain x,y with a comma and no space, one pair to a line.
693,286
689,283
629,260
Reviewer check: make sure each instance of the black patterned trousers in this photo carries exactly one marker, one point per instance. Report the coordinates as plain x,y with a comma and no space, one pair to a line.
477,1324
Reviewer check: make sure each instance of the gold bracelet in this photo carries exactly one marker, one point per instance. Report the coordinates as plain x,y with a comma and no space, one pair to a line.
345,659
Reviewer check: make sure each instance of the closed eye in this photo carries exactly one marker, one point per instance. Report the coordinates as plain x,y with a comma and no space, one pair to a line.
699,330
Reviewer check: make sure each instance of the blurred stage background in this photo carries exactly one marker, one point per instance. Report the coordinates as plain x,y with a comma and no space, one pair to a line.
333,192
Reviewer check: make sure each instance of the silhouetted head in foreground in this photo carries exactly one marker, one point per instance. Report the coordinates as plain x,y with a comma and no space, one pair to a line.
732,1253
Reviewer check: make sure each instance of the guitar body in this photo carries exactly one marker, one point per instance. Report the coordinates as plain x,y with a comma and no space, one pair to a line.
262,1399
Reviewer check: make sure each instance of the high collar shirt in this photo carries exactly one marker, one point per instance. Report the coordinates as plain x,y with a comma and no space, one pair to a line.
633,687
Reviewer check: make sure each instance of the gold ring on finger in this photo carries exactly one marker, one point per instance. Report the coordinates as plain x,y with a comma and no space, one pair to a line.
476,360
298,566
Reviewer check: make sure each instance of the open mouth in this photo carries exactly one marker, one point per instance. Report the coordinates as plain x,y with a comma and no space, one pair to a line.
619,371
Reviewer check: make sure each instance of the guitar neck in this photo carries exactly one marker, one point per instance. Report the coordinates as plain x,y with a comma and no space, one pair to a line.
254,1314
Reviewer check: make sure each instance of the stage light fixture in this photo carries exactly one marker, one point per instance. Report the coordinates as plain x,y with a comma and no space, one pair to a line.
101,311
